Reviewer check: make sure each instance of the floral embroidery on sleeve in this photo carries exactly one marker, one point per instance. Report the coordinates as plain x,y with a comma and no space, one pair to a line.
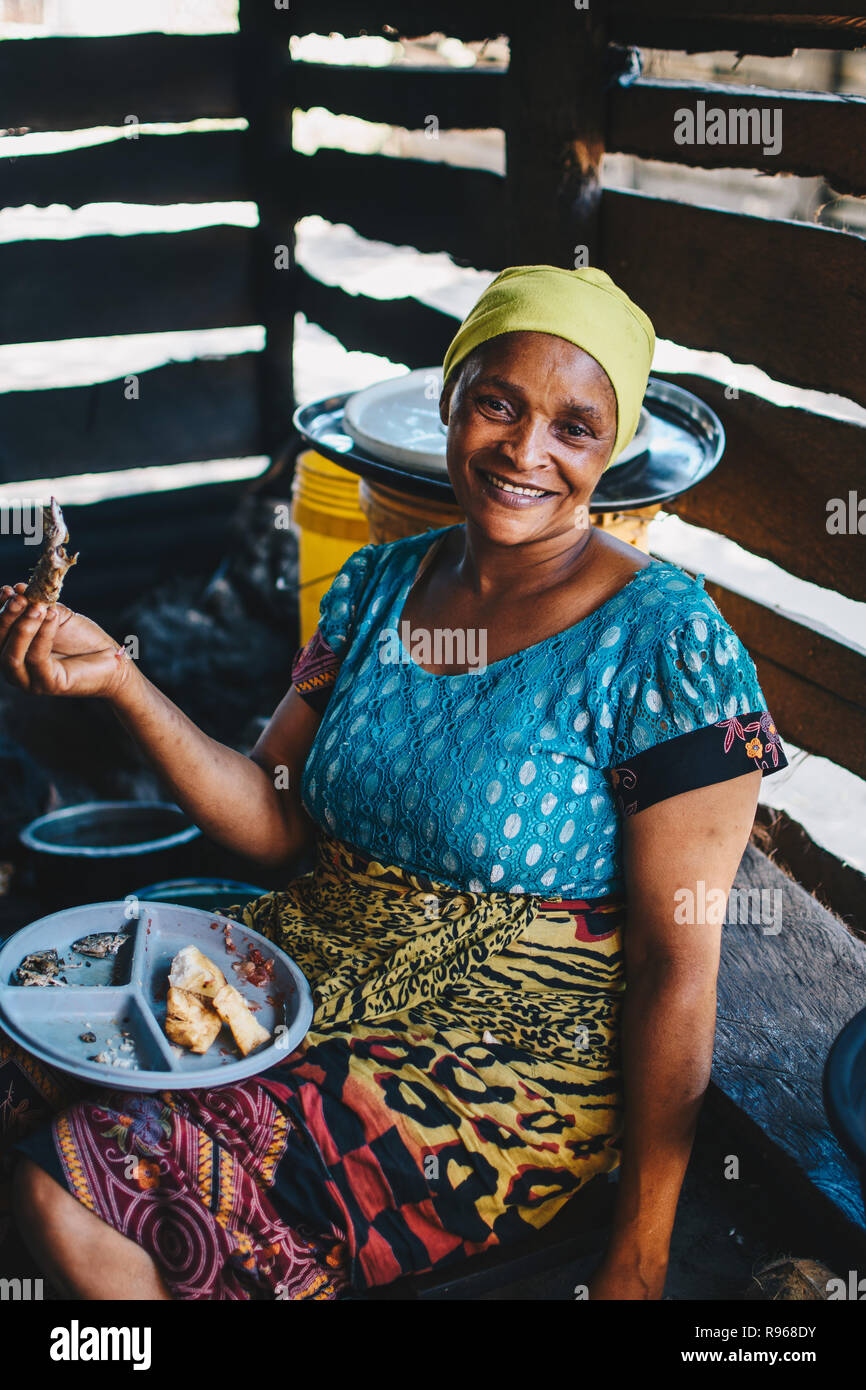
697,759
755,749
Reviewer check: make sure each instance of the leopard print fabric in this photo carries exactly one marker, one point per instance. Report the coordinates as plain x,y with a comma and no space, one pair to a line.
464,1048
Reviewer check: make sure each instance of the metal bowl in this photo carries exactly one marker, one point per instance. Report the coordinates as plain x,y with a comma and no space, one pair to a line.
98,848
681,447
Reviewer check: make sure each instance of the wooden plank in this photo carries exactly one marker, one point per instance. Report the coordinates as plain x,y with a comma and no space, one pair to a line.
838,669
403,330
482,19
409,202
263,63
811,682
785,296
76,83
403,96
820,134
770,493
821,723
774,36
838,886
738,9
554,136
203,167
783,998
93,286
182,412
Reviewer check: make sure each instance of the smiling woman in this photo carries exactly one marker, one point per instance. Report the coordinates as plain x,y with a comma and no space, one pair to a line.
497,382
507,1001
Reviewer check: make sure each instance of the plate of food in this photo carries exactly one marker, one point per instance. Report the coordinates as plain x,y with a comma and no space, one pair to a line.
150,996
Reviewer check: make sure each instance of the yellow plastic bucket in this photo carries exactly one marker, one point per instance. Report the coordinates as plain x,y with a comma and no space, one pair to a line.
392,515
632,526
331,527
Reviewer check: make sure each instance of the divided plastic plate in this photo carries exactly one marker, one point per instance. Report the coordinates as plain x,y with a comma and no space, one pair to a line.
127,993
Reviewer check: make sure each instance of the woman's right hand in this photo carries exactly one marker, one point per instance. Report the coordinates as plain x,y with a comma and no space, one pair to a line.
49,650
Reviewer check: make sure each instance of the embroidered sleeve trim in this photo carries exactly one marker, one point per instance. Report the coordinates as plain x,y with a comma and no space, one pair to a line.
314,672
713,754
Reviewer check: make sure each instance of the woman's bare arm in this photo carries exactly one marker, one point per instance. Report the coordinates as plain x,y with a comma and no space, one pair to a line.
250,804
693,842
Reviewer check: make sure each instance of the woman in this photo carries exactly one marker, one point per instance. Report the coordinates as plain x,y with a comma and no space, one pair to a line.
500,847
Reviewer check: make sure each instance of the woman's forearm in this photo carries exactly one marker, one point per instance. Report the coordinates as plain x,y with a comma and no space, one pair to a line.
667,1046
230,797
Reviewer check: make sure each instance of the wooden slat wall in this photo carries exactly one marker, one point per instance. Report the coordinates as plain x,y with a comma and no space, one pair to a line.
206,167
813,686
90,286
402,330
554,135
736,31
431,206
263,62
460,100
77,83
822,134
784,296
102,285
479,20
781,467
737,9
183,412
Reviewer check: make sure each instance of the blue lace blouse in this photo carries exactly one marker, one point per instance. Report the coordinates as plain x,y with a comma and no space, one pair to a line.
515,776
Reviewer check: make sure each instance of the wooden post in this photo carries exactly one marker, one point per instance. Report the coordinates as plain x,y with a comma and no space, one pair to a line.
262,77
554,133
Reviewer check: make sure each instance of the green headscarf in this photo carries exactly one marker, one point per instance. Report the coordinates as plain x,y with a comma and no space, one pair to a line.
583,306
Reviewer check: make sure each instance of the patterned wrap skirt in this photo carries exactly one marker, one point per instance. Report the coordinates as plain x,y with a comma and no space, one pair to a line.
460,1081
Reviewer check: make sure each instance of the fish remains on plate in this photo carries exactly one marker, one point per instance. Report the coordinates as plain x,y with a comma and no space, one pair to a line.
200,1002
100,944
40,968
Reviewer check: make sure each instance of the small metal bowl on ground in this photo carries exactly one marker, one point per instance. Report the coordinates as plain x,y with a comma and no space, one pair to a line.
211,894
93,851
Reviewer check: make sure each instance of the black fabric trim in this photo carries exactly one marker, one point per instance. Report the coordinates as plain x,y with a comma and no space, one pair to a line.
316,699
716,753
